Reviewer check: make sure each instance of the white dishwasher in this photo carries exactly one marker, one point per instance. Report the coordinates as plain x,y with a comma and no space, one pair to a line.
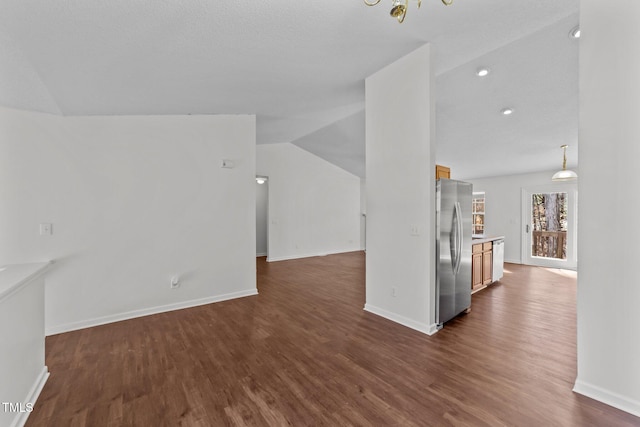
498,259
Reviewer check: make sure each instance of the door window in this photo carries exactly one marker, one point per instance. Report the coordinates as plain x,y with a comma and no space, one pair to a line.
549,225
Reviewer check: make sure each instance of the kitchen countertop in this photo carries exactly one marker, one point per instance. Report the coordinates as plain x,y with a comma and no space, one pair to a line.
478,240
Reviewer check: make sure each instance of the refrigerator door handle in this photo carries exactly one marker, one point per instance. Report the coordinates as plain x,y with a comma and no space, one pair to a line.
453,240
458,238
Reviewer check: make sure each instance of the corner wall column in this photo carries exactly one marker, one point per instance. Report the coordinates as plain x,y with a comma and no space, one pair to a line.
400,192
608,232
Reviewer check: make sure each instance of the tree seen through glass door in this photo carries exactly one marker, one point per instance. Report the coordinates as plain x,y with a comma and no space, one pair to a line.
549,225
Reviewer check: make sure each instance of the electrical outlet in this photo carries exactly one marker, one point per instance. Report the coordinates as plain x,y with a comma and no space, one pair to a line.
415,230
46,229
175,282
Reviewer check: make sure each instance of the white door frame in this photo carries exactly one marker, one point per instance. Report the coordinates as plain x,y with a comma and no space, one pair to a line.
265,211
571,263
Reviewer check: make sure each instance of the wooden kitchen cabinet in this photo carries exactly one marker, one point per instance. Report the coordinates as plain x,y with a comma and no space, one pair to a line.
476,268
481,266
487,263
442,172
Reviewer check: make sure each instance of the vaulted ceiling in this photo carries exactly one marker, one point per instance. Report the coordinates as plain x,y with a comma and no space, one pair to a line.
300,67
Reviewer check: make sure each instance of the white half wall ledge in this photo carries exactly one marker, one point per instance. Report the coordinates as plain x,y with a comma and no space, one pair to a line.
404,321
16,276
21,418
23,371
98,321
610,398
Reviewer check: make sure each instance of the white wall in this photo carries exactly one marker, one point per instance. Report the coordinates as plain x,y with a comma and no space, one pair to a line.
608,234
314,206
503,207
401,191
133,200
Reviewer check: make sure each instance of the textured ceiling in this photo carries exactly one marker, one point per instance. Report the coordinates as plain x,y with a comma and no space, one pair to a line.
300,67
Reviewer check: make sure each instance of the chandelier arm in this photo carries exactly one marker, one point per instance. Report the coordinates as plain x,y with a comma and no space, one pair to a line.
447,2
404,13
419,3
373,3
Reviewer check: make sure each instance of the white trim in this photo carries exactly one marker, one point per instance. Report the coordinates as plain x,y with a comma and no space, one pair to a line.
67,327
288,257
404,321
541,266
21,417
610,398
33,271
261,254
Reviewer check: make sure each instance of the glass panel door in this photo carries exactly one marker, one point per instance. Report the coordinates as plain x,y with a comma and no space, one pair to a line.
549,217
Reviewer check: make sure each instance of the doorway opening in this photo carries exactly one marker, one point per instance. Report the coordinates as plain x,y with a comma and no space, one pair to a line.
549,218
262,216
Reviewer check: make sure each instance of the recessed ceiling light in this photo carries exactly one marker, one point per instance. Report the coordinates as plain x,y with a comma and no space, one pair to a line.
575,33
507,111
481,72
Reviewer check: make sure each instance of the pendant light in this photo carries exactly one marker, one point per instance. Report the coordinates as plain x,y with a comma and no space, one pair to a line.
564,174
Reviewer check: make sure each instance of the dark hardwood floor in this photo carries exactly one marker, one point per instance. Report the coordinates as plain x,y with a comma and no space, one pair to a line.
303,352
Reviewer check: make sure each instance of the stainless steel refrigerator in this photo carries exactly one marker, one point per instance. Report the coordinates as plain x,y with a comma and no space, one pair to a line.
453,248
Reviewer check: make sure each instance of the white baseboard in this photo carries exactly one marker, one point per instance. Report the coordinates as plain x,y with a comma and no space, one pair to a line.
308,255
73,326
261,254
288,257
610,398
404,321
21,417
